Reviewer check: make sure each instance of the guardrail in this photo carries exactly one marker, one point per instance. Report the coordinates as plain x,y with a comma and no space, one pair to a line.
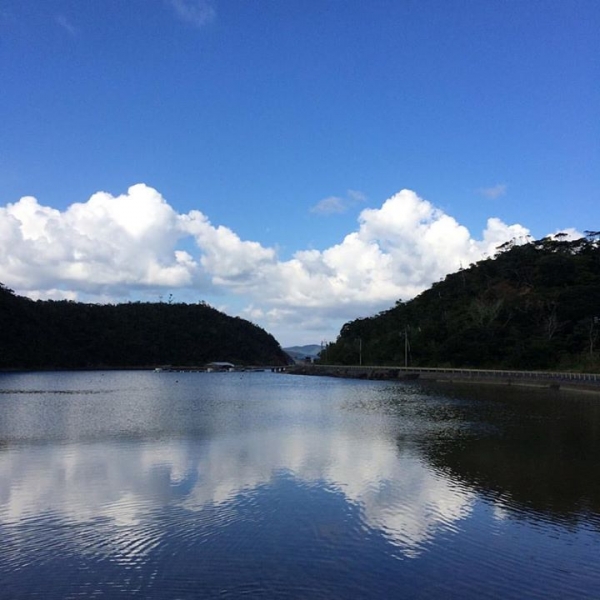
559,376
564,377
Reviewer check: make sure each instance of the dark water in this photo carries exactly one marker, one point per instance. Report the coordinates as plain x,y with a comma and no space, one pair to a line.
258,485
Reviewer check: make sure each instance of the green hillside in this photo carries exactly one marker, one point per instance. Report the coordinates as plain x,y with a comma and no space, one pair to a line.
64,334
533,306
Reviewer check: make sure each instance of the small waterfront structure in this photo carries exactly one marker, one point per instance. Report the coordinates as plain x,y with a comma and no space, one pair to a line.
220,366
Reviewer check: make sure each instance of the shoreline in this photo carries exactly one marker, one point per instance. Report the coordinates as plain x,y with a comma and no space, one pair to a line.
583,382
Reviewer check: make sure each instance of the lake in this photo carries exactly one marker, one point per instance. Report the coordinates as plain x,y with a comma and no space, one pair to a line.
261,485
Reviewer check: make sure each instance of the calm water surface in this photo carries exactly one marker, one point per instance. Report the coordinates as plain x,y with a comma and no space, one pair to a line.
258,485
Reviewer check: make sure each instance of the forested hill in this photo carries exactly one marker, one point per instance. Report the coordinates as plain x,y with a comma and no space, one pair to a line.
533,306
64,334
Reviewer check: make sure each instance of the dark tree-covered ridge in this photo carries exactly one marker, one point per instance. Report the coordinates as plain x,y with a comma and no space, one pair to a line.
66,334
533,306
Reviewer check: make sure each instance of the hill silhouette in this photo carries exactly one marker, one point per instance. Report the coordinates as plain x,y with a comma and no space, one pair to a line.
533,306
66,334
301,353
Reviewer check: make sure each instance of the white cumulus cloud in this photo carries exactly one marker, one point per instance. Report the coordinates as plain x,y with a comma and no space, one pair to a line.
230,260
105,244
111,247
397,251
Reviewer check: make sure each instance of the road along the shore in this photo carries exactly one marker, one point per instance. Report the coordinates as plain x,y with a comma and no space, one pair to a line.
550,379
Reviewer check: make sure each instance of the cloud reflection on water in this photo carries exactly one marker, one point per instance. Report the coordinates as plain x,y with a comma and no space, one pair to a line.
125,485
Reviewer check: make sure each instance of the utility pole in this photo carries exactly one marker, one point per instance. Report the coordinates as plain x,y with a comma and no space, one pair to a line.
360,351
406,346
323,354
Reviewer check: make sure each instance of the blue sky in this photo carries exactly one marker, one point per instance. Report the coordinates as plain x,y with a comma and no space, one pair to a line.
273,139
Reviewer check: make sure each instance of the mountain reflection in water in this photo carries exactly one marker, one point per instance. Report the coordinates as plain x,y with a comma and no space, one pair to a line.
224,485
531,450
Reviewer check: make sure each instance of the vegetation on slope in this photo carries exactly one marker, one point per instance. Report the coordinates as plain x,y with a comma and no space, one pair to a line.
65,334
533,306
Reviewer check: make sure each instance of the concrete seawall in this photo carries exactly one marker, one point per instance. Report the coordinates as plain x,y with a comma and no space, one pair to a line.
553,380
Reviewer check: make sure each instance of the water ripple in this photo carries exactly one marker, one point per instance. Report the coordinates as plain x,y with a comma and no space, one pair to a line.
313,492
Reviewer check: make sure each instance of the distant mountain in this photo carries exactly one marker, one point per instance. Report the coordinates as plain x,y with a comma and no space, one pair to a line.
64,334
303,352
